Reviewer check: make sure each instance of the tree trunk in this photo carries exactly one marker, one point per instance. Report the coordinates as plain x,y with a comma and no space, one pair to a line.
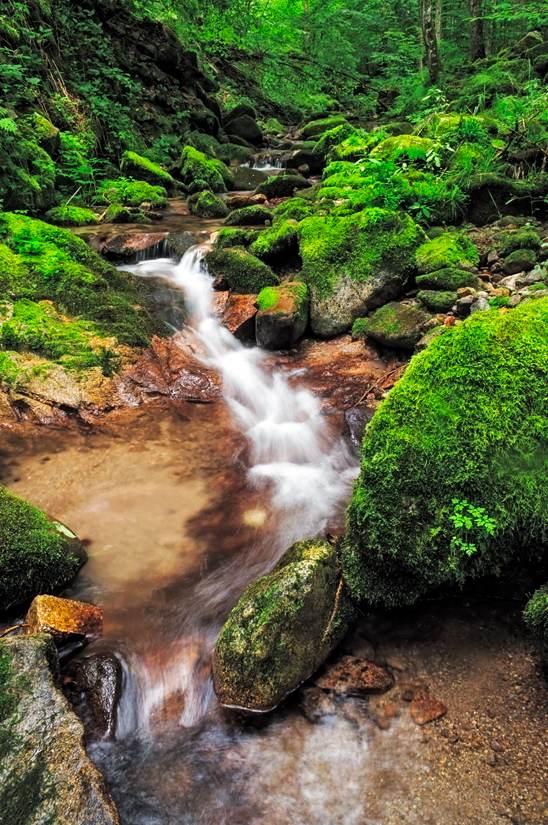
438,20
426,15
477,43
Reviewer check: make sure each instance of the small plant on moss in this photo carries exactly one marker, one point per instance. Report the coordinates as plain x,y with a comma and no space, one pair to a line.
467,518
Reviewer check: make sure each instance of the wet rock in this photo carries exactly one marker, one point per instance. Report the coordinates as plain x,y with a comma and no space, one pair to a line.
180,242
218,303
64,619
239,316
282,629
220,284
245,127
99,679
522,260
123,247
356,420
355,677
246,179
168,368
45,774
316,704
424,708
283,315
396,325
426,340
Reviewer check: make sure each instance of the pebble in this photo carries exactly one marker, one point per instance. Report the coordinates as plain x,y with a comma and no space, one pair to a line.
496,746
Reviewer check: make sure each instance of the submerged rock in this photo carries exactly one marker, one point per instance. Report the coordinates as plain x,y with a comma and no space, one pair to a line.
282,629
64,619
355,677
45,774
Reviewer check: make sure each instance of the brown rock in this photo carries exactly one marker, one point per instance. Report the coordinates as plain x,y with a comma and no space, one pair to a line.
382,722
64,619
126,246
220,284
218,304
315,704
465,291
424,708
239,316
355,677
99,679
240,201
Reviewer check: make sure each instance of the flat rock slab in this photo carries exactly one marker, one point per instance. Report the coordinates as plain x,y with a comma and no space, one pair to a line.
64,619
45,774
125,246
239,316
424,708
355,677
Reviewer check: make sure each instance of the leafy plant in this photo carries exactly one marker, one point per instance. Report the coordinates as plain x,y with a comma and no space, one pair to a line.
470,522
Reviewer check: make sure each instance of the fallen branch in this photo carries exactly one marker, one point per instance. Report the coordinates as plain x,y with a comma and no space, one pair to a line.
332,619
386,375
15,627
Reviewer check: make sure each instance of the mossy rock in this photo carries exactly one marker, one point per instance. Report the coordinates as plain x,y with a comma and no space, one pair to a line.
239,110
14,275
197,166
295,209
437,301
465,427
535,616
319,127
246,179
355,264
521,239
228,152
273,126
468,127
245,127
277,243
71,216
395,325
133,193
522,260
276,636
207,205
37,555
333,137
235,236
281,186
118,214
283,315
411,147
249,216
46,134
354,147
448,279
139,168
448,250
244,273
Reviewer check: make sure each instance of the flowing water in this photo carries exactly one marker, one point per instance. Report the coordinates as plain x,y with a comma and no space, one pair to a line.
272,162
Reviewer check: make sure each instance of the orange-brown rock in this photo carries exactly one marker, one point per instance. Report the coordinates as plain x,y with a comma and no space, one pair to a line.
218,304
239,316
355,677
64,619
424,708
125,246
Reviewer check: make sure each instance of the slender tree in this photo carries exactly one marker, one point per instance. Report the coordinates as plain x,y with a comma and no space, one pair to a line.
428,26
477,41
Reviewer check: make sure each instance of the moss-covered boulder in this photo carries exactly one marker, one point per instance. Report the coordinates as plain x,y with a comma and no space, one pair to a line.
45,774
281,186
410,147
243,272
454,482
395,325
207,205
296,209
197,166
46,134
246,179
331,138
282,629
71,216
448,250
132,193
277,243
37,554
448,279
318,127
521,260
116,213
283,315
520,239
274,127
437,301
249,216
235,236
536,618
355,264
245,127
139,168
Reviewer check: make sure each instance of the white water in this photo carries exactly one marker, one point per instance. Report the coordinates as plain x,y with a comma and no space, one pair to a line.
295,454
266,163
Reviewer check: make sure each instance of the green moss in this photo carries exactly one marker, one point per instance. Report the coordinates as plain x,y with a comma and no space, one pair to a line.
359,328
319,127
331,138
408,147
243,272
468,421
71,216
197,186
267,298
356,146
13,272
278,242
396,325
522,239
229,152
139,168
437,301
132,193
274,126
524,258
358,247
249,216
207,205
197,166
535,616
281,186
35,557
448,250
448,279
118,214
295,209
235,236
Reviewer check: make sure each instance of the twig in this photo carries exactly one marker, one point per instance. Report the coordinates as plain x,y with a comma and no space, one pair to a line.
332,619
370,389
15,627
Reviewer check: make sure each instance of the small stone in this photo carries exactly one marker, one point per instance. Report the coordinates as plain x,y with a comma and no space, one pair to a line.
220,284
464,305
407,695
382,722
239,316
315,704
424,708
64,619
465,291
480,304
514,300
492,257
490,760
389,709
496,746
354,677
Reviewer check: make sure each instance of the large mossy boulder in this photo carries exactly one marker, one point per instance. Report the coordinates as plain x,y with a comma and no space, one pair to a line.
277,243
454,478
282,629
249,216
411,147
449,279
395,325
355,264
207,205
447,250
244,273
281,186
139,168
45,773
195,166
245,127
283,315
37,554
317,127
